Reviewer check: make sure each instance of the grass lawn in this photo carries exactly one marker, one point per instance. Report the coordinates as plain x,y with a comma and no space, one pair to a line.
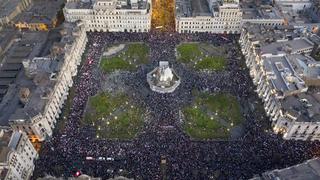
137,51
212,116
189,52
200,126
116,63
200,56
134,55
211,63
114,117
226,106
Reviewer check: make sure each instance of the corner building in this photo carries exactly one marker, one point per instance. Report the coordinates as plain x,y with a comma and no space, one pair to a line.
17,155
52,79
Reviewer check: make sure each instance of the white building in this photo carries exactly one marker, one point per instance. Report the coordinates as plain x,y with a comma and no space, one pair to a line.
211,16
222,16
111,15
52,78
17,156
276,69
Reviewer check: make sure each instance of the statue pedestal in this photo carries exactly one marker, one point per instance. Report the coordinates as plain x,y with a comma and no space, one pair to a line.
163,79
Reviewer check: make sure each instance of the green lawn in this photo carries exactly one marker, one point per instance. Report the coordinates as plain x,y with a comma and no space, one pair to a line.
212,116
137,51
211,63
114,117
189,52
226,106
134,55
200,56
200,126
115,63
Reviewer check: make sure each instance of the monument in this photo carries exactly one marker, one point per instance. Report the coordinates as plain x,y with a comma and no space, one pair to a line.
163,79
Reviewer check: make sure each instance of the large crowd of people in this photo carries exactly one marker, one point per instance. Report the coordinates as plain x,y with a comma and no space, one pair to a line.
75,149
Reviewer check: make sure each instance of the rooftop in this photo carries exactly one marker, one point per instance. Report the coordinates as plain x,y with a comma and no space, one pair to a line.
303,171
305,65
41,70
200,8
6,36
282,47
78,5
121,4
40,11
266,35
252,10
27,46
7,6
304,107
281,75
5,136
40,76
9,141
183,8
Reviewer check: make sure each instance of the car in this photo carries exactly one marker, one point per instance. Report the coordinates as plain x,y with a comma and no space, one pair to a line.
110,159
89,158
78,173
101,158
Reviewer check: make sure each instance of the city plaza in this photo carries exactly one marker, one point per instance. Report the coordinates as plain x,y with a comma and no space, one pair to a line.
211,126
164,92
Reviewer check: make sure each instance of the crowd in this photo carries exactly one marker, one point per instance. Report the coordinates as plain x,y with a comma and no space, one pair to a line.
66,153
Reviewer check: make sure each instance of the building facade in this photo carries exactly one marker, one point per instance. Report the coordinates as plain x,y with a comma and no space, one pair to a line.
53,79
111,15
17,155
220,17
